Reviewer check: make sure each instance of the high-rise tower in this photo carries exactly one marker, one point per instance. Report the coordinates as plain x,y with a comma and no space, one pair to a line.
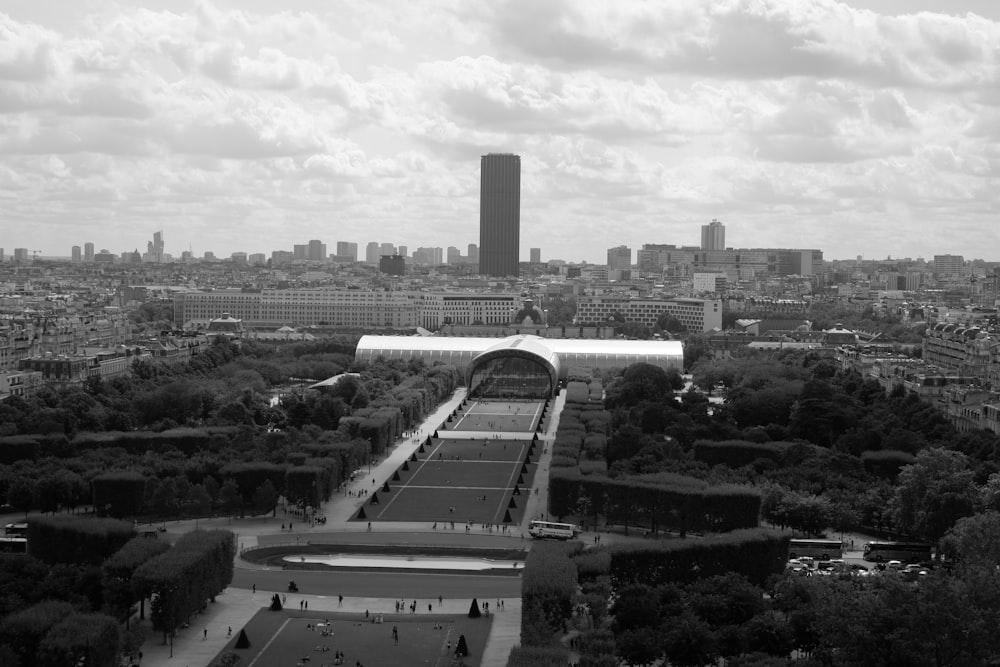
499,214
713,236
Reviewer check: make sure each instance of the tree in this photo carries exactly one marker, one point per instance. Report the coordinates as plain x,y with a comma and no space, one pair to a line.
935,492
974,540
265,498
229,497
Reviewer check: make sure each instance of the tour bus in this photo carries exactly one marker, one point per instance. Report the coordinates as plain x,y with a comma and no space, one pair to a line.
818,549
559,531
905,552
16,529
13,545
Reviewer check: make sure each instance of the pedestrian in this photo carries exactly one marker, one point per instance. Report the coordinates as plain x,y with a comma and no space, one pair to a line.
307,604
229,632
340,600
255,588
428,607
205,635
300,604
284,600
440,600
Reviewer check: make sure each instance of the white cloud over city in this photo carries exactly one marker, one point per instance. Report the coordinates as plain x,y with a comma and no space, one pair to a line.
250,126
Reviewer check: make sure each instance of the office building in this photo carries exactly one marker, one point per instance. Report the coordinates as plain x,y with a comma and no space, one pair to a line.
347,250
300,251
88,252
392,265
949,266
713,236
536,256
387,249
281,258
371,253
154,249
208,256
316,251
620,257
499,214
76,254
21,255
473,253
257,259
402,250
454,255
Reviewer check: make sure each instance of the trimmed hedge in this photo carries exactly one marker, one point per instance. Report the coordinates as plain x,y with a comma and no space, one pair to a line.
118,493
77,540
537,656
547,588
756,554
658,502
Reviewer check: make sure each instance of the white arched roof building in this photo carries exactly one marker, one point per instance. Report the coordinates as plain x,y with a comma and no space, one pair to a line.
556,355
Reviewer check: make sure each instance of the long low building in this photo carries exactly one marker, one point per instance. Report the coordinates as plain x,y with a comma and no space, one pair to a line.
517,365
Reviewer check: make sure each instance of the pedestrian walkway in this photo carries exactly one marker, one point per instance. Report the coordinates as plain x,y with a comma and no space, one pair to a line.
234,609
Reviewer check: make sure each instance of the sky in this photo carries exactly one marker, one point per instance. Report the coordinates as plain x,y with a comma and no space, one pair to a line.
863,127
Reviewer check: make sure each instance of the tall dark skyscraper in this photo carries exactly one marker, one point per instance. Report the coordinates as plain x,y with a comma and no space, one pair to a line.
499,214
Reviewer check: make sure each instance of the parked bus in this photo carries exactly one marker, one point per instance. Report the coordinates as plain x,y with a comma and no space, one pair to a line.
16,529
559,531
13,545
905,552
818,549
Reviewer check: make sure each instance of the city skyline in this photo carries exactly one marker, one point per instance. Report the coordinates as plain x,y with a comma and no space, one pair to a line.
865,128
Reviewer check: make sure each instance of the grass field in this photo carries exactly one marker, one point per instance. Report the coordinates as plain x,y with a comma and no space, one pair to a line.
465,480
492,416
283,639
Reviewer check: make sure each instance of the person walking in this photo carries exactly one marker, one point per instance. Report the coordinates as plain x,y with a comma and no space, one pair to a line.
229,632
205,635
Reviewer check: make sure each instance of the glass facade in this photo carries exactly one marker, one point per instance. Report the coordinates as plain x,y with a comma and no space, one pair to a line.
509,377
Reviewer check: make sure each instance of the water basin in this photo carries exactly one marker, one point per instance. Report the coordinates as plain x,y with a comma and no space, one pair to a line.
405,562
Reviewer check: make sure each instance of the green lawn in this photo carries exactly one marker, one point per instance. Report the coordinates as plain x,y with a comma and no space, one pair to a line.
283,639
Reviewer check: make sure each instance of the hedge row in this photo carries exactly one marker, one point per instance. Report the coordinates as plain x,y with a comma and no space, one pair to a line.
756,554
182,580
77,540
657,502
547,589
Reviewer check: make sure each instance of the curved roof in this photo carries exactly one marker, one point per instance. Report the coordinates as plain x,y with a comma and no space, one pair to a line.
526,346
592,353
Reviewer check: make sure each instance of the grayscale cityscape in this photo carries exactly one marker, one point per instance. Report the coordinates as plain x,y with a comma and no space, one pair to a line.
712,378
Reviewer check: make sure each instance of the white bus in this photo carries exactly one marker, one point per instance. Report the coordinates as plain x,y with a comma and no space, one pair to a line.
558,531
818,549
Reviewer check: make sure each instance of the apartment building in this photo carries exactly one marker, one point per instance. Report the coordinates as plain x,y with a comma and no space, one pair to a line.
697,315
346,307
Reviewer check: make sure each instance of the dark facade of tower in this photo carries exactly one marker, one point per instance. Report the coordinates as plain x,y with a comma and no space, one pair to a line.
499,214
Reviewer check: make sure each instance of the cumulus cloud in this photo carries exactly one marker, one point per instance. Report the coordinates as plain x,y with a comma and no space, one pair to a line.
636,121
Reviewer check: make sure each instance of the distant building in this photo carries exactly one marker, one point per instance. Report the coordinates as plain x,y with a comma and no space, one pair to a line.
392,265
154,249
316,251
256,259
76,254
371,253
499,214
300,251
713,236
21,255
708,282
88,252
347,250
620,257
387,249
454,255
105,257
536,255
697,315
473,253
949,266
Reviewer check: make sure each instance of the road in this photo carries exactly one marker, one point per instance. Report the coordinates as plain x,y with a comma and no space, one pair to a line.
389,585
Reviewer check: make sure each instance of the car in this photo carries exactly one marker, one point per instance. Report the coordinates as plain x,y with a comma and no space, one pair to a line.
894,565
807,561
